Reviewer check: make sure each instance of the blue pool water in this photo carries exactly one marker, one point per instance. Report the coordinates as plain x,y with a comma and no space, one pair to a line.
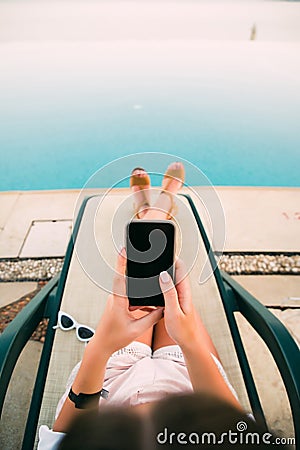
67,109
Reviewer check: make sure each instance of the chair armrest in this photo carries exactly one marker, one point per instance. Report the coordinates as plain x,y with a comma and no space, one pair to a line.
277,338
19,331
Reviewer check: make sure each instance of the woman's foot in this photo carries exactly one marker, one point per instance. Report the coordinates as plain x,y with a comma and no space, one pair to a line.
140,185
165,206
174,178
172,183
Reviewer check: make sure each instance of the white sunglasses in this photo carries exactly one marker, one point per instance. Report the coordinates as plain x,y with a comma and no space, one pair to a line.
66,323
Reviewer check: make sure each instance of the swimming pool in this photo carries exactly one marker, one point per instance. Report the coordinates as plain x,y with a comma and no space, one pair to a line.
230,108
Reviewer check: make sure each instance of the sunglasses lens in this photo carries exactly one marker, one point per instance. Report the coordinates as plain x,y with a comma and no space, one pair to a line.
66,322
85,333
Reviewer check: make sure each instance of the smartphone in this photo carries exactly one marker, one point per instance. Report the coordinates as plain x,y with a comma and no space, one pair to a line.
150,247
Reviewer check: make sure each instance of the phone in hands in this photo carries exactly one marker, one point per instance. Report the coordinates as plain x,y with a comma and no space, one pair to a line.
150,248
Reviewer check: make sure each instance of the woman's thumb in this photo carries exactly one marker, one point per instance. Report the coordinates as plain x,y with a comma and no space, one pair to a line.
168,290
150,319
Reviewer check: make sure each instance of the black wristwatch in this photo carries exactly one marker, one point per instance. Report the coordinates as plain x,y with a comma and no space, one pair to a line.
84,401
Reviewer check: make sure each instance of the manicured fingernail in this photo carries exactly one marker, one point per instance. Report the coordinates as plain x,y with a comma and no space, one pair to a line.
165,277
122,250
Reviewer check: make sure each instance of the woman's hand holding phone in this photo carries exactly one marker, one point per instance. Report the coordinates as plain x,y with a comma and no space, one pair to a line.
180,316
184,327
118,327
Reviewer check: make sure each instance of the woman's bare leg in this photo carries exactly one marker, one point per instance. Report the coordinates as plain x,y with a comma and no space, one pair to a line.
161,210
164,203
158,336
140,186
162,339
147,336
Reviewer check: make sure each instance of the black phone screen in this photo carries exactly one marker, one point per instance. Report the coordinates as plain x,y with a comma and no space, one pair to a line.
150,250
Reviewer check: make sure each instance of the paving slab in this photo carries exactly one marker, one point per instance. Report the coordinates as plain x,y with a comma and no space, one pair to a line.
10,292
261,219
31,206
258,218
47,238
272,290
291,319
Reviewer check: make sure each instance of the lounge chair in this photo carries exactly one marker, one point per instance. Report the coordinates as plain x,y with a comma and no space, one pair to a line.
74,291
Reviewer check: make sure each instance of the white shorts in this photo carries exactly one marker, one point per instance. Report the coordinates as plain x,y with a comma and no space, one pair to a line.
135,375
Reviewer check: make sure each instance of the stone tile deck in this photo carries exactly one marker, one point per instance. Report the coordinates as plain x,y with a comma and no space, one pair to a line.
10,292
272,290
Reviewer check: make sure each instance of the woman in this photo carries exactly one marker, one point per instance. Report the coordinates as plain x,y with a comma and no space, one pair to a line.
141,356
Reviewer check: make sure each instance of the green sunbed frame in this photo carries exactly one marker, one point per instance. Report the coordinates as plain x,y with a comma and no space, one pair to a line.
46,304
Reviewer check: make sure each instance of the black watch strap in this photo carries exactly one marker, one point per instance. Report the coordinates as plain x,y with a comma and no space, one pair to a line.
84,401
